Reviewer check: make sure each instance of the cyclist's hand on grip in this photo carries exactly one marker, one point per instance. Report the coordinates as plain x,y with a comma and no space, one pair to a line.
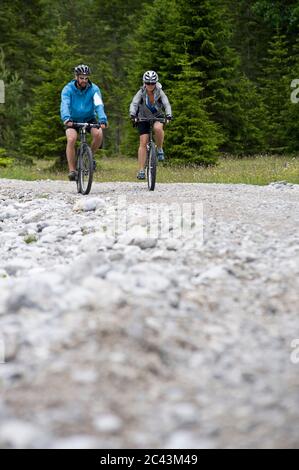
103,125
134,120
68,123
168,119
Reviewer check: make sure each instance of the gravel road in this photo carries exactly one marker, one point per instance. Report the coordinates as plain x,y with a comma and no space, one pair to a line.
137,319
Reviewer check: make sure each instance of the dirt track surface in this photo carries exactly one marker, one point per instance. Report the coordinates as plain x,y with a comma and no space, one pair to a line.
116,335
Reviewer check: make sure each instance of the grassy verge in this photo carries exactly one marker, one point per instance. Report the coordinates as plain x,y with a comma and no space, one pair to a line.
255,170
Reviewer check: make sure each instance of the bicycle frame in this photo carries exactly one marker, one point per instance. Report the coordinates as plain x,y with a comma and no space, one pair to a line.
82,135
151,157
84,158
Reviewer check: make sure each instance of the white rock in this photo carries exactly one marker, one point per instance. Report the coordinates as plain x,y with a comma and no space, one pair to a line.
61,233
6,237
15,266
8,213
19,434
187,440
77,442
48,239
96,241
27,230
126,238
153,323
33,216
88,204
104,292
154,282
213,273
145,243
49,229
11,343
107,423
185,412
42,293
84,376
173,244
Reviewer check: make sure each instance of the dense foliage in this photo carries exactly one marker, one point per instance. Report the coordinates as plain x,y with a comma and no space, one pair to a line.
227,67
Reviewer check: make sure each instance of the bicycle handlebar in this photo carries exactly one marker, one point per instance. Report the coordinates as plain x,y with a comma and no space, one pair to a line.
86,124
163,120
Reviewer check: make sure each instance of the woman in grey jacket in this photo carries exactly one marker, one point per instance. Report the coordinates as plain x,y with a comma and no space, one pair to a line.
150,101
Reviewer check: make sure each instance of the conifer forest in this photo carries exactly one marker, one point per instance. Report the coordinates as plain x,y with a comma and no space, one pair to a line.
229,67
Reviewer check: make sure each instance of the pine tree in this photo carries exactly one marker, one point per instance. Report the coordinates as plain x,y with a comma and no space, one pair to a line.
44,135
275,92
23,28
155,48
155,43
249,134
12,111
203,30
113,32
251,35
192,137
206,30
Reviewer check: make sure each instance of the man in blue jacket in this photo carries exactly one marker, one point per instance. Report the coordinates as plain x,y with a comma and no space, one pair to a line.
81,101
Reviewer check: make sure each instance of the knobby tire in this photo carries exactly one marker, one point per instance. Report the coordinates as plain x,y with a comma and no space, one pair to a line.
85,169
152,168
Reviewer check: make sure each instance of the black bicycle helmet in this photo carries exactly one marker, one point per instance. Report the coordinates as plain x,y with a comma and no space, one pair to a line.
82,69
150,77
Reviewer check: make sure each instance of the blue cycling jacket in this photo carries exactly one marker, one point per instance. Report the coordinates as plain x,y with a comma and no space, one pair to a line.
82,105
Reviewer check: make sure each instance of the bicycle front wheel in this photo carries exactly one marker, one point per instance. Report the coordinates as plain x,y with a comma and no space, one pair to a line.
152,168
85,169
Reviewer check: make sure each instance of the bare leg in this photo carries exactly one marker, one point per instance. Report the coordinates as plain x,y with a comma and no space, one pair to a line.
71,135
159,134
97,139
142,151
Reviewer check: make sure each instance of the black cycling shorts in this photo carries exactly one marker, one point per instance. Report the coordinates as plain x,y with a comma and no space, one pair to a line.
144,127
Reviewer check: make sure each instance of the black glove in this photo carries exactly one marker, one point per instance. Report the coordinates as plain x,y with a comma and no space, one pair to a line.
168,119
134,120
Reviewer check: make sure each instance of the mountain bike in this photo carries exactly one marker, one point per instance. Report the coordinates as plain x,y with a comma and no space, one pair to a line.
151,153
85,164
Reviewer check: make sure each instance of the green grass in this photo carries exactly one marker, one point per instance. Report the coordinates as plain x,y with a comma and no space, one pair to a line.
259,170
30,239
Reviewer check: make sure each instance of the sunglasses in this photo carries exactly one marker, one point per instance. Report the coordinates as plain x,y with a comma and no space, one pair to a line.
83,78
150,83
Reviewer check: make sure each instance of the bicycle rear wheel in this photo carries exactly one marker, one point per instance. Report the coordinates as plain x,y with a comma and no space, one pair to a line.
85,169
151,168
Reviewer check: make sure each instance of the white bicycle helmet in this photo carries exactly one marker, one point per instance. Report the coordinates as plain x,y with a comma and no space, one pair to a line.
150,77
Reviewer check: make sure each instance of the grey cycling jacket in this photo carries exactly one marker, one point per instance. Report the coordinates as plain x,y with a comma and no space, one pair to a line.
138,105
